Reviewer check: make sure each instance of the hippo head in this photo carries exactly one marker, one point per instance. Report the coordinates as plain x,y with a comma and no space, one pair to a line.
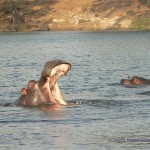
125,82
139,81
46,90
135,80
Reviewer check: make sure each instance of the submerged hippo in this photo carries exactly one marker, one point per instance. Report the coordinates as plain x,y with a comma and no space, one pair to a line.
46,90
135,80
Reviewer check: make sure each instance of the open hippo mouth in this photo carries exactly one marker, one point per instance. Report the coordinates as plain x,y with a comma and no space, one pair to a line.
46,90
52,71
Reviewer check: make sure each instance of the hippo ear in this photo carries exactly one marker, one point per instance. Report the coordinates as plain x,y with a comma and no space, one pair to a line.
31,84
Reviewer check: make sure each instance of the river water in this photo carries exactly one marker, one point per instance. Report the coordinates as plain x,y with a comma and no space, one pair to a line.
102,114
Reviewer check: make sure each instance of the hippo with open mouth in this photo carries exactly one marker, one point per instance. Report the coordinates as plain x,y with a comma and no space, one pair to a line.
135,80
46,90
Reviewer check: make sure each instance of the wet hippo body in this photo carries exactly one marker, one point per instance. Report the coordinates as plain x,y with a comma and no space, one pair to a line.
46,90
135,80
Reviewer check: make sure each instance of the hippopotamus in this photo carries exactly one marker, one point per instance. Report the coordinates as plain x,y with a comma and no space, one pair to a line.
135,80
46,90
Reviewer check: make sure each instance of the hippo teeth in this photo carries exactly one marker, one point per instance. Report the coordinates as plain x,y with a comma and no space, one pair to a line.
57,95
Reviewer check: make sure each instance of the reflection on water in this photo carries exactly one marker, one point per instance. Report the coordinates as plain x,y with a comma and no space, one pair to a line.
100,112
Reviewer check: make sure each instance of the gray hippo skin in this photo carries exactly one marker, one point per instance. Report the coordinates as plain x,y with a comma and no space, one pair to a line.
46,90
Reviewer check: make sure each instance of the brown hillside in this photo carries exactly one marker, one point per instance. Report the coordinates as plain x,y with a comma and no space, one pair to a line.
72,14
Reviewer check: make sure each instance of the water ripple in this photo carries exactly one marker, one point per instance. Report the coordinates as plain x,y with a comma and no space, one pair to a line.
100,108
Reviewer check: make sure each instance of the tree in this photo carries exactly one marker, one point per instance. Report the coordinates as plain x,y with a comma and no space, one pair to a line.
145,2
10,7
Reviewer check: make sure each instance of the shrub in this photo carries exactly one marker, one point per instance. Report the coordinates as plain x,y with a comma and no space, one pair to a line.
141,23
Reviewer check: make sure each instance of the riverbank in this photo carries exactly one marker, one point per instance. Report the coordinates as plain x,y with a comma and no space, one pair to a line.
71,15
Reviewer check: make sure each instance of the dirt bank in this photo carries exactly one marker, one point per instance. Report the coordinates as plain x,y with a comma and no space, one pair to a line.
31,15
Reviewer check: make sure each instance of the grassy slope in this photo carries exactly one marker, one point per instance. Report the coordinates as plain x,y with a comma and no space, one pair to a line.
75,15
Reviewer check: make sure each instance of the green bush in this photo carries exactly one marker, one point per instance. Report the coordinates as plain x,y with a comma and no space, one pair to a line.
22,27
141,24
145,2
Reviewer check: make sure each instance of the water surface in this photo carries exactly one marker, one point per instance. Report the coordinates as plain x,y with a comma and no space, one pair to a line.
102,115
